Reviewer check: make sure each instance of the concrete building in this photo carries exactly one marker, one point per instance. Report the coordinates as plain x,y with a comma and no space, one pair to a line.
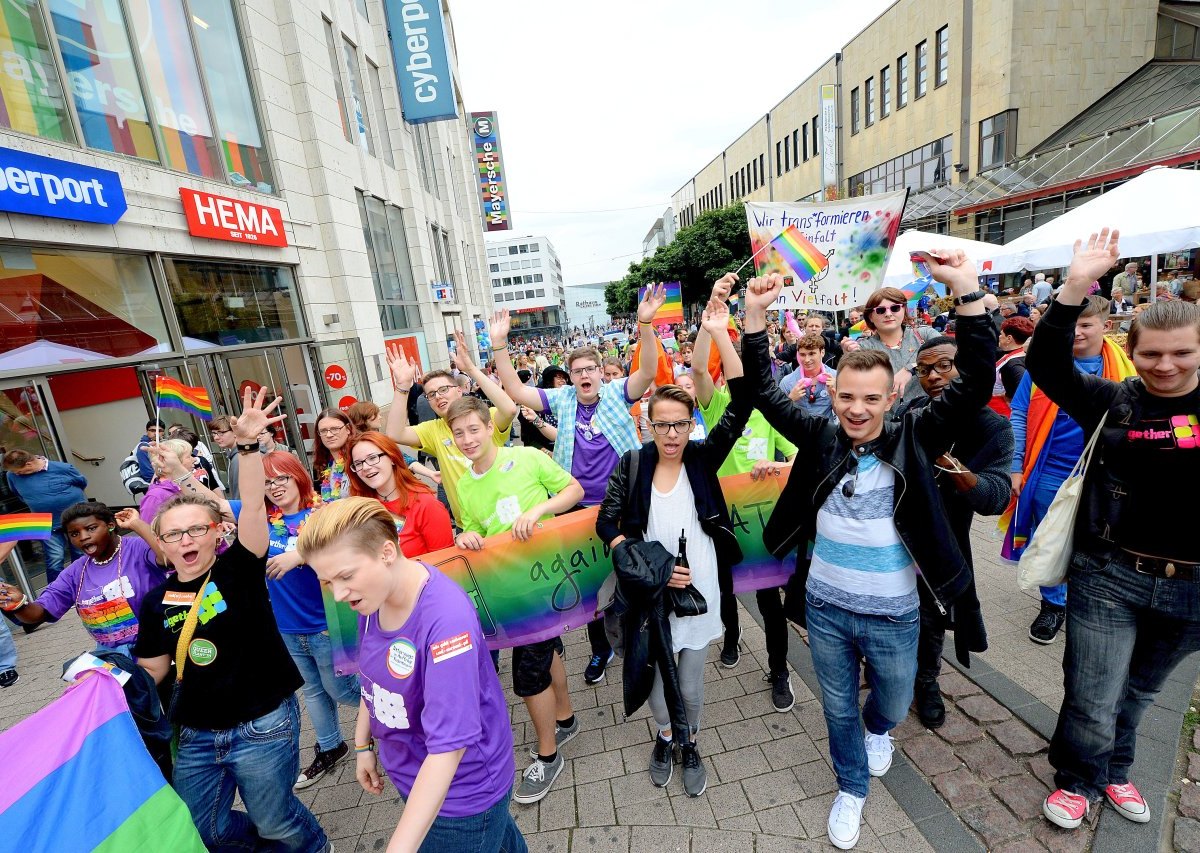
661,233
527,280
935,95
586,308
284,221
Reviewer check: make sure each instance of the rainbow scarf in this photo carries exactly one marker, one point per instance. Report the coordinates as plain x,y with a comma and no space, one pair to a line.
80,764
1017,521
25,525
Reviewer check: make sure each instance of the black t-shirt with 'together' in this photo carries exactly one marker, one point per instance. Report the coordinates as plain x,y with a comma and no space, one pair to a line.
238,667
1159,461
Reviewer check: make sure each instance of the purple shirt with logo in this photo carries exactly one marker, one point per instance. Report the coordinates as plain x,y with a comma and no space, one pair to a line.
594,459
430,687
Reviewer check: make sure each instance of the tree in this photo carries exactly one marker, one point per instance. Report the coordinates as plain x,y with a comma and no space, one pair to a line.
716,243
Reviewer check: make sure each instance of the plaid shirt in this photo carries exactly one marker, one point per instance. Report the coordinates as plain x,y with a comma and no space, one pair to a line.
612,419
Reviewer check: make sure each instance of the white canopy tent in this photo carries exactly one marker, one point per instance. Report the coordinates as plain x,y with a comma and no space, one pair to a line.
989,258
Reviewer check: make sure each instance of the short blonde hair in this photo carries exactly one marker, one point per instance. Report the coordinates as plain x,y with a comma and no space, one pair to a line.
186,499
363,523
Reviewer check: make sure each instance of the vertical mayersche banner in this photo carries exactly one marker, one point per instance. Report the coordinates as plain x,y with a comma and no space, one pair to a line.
485,128
529,591
848,242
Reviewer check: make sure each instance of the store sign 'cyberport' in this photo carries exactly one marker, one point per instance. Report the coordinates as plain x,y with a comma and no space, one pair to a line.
420,57
221,218
43,186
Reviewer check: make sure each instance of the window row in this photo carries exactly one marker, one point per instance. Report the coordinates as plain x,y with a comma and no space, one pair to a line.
919,169
523,264
516,249
712,199
516,279
184,100
748,178
794,149
872,101
526,294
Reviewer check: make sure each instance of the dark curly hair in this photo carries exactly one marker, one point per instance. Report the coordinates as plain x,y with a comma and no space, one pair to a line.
87,509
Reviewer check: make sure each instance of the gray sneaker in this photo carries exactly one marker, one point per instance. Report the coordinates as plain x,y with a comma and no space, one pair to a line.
561,736
537,779
695,777
662,762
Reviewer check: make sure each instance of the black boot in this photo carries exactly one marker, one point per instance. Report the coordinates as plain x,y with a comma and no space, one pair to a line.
930,708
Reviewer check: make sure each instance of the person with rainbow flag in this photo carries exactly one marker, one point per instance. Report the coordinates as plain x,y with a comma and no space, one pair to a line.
1048,443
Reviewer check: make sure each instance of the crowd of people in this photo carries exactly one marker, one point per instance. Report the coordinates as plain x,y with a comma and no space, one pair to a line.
893,439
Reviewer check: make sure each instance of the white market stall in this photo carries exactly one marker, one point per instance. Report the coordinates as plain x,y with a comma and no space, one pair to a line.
989,258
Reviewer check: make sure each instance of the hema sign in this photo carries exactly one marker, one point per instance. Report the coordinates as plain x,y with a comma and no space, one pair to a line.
42,186
221,218
421,60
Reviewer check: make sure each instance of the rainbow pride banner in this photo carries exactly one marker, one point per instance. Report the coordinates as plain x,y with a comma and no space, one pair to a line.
79,778
530,591
173,394
671,310
22,526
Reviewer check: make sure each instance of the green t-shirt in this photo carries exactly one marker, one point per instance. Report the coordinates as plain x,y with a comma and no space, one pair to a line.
437,441
758,440
519,479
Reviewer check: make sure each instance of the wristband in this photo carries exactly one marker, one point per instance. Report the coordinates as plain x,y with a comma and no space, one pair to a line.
498,348
404,390
247,448
369,747
179,480
641,323
16,605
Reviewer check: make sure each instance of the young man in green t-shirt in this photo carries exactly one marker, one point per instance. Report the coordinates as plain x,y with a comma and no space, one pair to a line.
757,452
509,488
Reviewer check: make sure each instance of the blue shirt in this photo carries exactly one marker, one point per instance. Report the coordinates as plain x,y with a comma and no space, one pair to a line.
1066,441
52,490
821,404
295,597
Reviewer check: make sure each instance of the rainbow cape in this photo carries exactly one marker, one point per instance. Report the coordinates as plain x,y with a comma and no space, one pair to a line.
529,591
798,253
1017,520
79,778
25,525
173,394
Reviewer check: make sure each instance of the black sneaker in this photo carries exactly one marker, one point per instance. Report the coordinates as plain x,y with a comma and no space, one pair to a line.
931,710
662,762
594,673
781,691
1048,623
9,677
322,764
731,651
695,776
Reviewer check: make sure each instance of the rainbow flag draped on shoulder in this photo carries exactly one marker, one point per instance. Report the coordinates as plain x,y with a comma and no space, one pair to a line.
78,778
173,394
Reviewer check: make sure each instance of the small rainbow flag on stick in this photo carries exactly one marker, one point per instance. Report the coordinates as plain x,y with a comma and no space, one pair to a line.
671,310
173,394
857,330
24,526
798,253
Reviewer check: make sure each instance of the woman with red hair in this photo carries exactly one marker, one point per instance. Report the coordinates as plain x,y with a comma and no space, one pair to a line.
377,470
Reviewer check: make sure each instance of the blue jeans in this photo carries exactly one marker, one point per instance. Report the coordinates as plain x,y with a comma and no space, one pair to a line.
1126,632
1043,496
57,550
8,649
322,690
837,638
259,760
492,831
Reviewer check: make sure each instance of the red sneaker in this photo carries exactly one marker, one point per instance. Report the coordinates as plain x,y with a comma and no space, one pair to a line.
1065,809
1128,802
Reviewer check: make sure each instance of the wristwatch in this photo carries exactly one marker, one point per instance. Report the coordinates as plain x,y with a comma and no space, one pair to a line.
246,449
969,298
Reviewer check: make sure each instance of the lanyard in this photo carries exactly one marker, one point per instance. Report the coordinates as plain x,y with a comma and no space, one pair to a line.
188,631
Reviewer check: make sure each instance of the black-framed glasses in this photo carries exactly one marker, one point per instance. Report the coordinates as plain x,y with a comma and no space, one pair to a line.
942,366
668,427
584,371
440,392
370,460
196,531
850,485
329,432
888,309
281,480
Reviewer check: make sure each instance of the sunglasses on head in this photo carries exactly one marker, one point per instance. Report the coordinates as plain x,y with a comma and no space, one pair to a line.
887,309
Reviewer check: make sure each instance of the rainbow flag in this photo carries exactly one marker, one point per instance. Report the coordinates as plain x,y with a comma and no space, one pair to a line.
672,309
25,525
80,779
802,256
857,330
173,394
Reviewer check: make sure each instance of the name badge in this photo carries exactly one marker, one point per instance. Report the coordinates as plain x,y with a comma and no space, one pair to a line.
178,597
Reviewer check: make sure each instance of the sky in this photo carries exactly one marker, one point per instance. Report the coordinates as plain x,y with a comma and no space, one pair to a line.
614,106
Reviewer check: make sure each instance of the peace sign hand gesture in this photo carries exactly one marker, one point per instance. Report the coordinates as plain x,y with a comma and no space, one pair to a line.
254,417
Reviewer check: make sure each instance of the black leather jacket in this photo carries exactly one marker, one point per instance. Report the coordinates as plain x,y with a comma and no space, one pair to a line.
908,446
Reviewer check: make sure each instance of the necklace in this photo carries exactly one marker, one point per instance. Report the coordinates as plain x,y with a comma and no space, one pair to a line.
83,573
395,491
282,530
335,484
114,556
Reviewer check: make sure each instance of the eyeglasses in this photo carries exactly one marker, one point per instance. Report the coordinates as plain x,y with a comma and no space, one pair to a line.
584,371
221,431
196,531
440,392
942,366
331,431
370,460
850,485
668,427
281,480
880,310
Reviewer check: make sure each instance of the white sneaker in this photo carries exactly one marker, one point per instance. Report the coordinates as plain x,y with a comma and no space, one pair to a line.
845,818
879,753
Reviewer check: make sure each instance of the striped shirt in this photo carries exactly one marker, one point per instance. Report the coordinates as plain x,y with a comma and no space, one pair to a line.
859,562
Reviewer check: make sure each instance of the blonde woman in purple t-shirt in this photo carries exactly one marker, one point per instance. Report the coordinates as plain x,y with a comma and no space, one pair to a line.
431,706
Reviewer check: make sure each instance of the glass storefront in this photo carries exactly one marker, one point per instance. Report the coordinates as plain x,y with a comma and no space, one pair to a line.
31,93
224,303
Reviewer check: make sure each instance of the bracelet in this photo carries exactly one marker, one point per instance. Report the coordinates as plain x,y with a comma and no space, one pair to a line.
642,323
404,390
16,605
498,348
248,448
369,747
179,481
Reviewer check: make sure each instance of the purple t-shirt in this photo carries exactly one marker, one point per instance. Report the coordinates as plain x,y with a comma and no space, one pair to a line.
108,597
430,688
157,495
594,459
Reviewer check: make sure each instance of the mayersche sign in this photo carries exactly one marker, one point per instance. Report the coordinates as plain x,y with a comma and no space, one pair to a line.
421,60
42,186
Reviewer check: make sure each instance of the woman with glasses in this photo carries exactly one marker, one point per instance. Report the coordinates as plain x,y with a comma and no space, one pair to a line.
377,470
235,682
334,430
886,314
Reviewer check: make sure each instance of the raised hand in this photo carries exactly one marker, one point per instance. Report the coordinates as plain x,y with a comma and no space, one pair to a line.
403,369
127,518
715,318
653,299
460,356
723,286
954,269
499,328
761,293
255,417
165,462
1095,257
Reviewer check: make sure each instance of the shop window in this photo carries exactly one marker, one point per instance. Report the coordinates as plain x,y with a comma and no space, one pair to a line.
102,78
59,306
31,94
357,105
230,94
189,144
226,303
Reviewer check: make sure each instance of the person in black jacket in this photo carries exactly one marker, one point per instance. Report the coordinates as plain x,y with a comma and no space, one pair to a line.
972,478
676,490
1134,609
864,513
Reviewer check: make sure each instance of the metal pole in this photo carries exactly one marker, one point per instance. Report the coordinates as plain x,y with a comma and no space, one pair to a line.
1154,277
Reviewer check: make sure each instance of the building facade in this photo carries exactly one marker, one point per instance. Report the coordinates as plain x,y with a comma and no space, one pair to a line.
660,234
586,308
527,280
227,193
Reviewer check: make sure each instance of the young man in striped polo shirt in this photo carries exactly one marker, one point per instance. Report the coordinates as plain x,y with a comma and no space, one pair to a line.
862,509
